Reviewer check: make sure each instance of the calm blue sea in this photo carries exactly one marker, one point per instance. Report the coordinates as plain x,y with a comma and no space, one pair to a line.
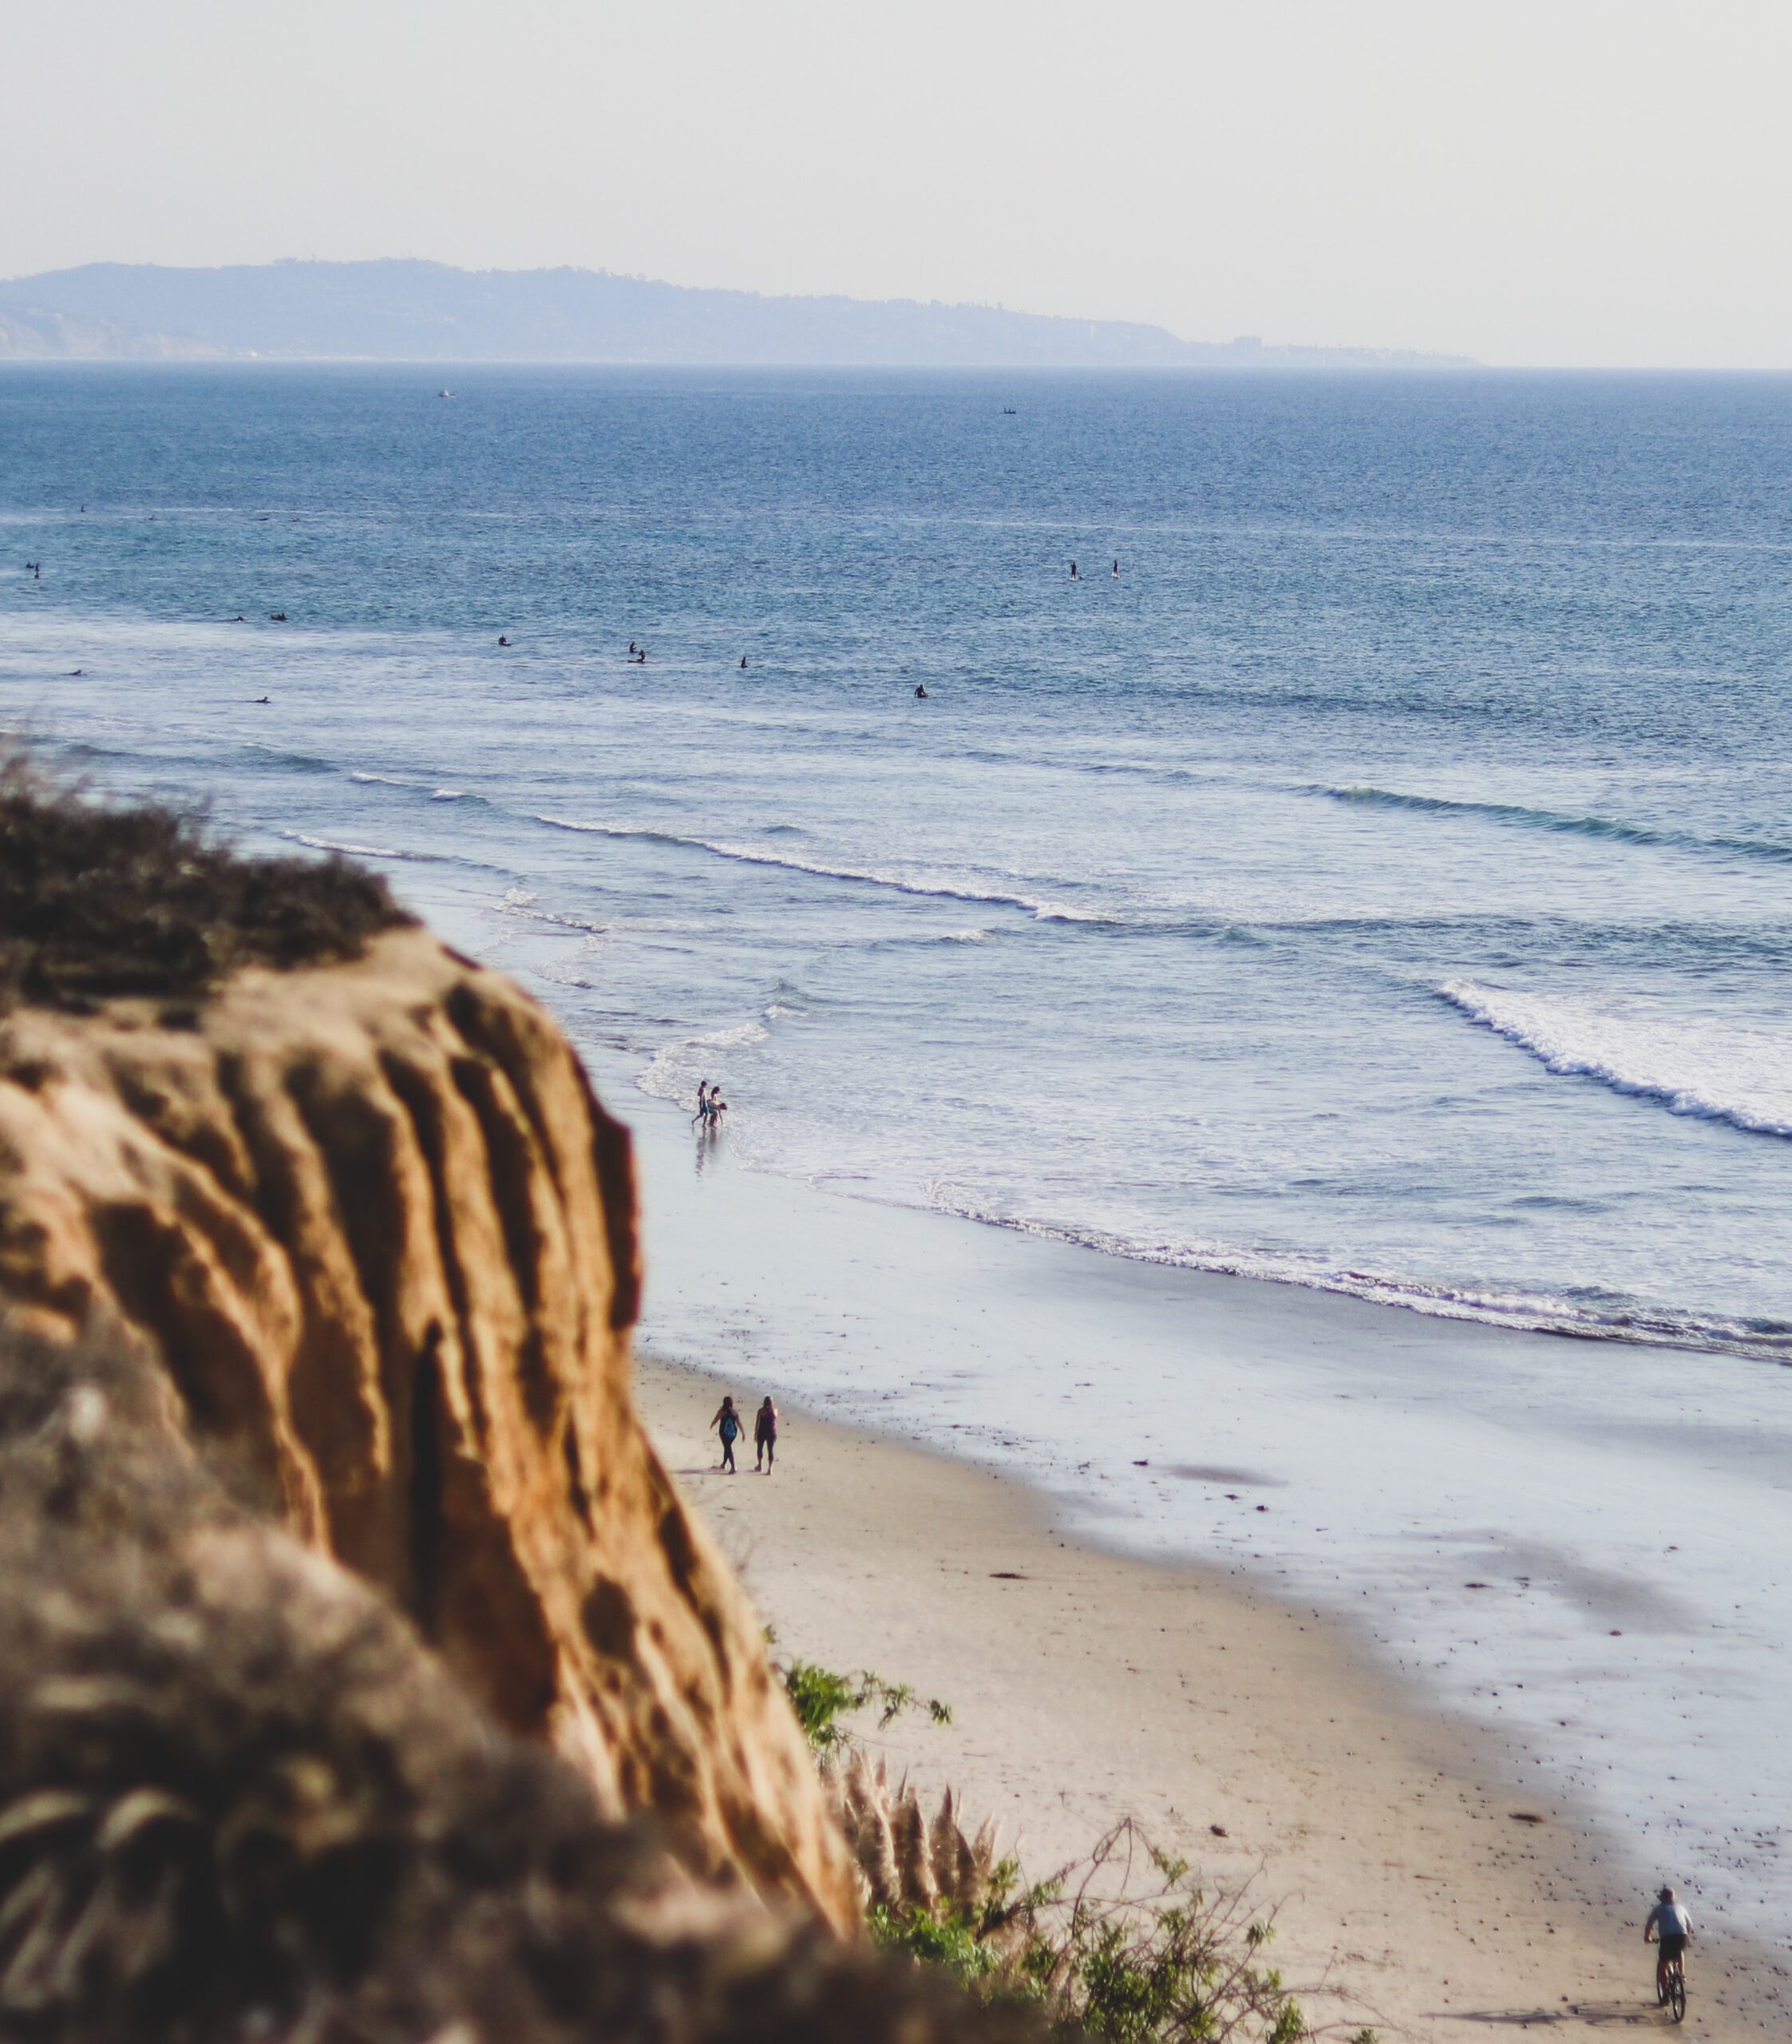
1380,883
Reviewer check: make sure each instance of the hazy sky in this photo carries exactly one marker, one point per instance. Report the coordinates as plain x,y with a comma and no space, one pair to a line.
1524,181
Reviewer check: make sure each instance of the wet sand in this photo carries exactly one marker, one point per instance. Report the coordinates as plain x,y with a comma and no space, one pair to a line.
1264,1741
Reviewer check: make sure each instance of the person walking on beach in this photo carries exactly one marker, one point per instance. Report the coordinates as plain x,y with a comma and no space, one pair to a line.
765,1436
702,1113
1671,1926
727,1423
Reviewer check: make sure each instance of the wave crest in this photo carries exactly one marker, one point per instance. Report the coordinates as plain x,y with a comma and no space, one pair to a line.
1612,828
902,883
1743,1076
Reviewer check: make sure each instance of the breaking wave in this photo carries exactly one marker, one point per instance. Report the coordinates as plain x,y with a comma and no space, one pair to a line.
1743,1076
1045,910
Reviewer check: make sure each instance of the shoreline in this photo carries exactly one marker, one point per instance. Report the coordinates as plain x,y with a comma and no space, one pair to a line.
1475,1516
1087,1686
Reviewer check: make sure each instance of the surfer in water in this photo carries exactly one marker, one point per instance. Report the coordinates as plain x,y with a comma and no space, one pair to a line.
920,692
743,660
1075,575
1117,570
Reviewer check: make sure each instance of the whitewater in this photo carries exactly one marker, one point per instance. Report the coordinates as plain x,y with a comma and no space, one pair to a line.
1379,887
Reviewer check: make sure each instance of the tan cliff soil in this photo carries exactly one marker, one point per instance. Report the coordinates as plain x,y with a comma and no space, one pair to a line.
382,1236
239,1798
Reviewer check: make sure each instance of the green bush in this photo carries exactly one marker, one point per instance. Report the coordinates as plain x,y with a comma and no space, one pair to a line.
1124,1946
821,1698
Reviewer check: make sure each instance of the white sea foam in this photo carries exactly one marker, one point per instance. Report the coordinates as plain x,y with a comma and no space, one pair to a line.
1723,1073
348,848
673,1071
902,881
1530,1312
519,901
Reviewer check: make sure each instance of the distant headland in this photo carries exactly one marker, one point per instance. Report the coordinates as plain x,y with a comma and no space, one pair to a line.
417,311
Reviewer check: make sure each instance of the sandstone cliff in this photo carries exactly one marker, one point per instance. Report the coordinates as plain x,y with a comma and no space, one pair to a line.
240,1802
380,1234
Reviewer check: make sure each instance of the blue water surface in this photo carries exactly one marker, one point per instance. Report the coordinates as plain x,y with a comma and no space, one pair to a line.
1380,882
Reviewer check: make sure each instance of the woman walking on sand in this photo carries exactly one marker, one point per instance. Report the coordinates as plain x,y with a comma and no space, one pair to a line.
727,1422
765,1436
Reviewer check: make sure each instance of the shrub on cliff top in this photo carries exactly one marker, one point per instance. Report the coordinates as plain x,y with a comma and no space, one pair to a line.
96,901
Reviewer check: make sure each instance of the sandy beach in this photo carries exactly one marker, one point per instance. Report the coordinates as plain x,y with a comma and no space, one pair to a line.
1187,1079
1256,1737
1364,1588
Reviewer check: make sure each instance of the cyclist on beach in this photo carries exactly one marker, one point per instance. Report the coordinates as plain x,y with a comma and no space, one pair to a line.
1670,1924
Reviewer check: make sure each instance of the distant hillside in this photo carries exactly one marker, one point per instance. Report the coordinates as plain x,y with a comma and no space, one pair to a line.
34,333
405,311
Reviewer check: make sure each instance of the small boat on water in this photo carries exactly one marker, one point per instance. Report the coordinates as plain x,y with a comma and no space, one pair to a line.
447,393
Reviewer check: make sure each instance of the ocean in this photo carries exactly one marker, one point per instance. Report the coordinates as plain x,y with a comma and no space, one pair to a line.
1369,872
1378,885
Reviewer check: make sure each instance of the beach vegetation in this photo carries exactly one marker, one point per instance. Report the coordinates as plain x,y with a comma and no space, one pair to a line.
1126,1944
823,1699
99,900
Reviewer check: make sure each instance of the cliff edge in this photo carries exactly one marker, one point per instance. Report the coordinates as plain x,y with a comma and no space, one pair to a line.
370,1216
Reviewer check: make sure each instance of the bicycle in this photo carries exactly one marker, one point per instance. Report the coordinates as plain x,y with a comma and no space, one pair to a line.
1671,1988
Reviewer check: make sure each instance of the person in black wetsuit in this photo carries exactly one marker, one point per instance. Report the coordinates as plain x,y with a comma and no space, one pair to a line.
765,1436
727,1423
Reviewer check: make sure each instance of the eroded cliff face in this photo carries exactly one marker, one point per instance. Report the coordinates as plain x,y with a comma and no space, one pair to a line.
240,1800
382,1235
